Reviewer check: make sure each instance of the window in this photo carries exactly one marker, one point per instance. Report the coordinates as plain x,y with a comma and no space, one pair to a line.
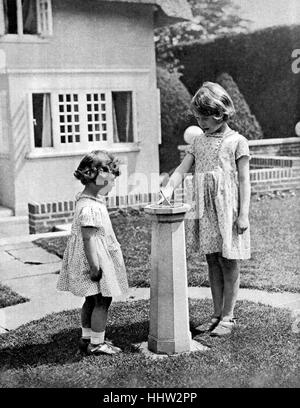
96,117
42,123
69,124
25,17
70,121
122,117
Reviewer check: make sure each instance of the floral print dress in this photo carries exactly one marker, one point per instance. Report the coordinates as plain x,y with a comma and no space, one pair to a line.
216,195
74,275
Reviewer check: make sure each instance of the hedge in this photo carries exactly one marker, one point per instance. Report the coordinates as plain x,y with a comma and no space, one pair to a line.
243,121
260,63
175,117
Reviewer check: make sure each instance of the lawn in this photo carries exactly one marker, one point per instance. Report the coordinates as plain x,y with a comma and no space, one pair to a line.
261,352
9,298
275,237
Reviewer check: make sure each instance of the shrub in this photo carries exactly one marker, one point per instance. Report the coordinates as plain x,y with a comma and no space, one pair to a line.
260,63
175,117
243,122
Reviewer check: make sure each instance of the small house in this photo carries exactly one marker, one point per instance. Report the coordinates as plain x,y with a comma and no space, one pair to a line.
78,75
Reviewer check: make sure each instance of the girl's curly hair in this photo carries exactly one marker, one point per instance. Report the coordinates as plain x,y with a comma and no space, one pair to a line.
88,168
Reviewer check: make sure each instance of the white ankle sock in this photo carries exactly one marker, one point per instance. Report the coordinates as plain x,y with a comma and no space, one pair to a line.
97,337
227,318
86,332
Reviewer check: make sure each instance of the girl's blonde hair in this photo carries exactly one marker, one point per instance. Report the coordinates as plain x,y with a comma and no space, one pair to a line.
212,100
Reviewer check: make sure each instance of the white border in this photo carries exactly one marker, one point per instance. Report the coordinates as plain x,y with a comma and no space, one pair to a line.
96,70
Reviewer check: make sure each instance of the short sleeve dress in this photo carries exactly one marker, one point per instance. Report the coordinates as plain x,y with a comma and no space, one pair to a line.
216,195
74,275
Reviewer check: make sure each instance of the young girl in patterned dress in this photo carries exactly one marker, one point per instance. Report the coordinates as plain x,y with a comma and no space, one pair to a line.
222,196
93,265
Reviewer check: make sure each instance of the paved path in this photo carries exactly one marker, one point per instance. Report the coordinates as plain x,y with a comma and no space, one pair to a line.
32,272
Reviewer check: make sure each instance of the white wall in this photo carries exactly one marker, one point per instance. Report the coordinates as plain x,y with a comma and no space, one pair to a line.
7,196
95,46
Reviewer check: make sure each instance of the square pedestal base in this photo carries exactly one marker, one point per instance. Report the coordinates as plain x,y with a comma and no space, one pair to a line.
170,346
195,346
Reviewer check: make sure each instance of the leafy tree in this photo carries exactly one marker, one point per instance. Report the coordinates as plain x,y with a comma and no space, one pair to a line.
212,19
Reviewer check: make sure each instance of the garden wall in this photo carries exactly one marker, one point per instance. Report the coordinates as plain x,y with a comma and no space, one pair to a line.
267,147
276,147
262,181
44,217
274,166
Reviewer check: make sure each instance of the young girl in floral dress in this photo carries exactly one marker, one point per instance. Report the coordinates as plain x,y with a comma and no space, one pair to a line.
222,196
93,265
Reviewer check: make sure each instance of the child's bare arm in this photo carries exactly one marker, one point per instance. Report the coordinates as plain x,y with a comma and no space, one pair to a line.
245,192
179,173
88,236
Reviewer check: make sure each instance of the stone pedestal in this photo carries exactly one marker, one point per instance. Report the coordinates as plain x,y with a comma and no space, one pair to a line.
169,314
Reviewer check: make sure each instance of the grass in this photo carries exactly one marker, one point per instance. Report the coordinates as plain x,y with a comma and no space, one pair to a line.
9,298
261,352
275,237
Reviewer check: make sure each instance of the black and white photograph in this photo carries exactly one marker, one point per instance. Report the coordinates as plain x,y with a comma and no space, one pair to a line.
149,198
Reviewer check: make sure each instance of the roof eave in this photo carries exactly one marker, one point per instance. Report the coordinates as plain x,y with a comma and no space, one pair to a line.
166,12
171,12
161,19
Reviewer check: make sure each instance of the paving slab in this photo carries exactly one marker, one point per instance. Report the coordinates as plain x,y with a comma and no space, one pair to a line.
276,299
13,226
17,245
34,255
47,300
5,258
133,295
17,238
198,293
14,316
37,287
292,304
16,269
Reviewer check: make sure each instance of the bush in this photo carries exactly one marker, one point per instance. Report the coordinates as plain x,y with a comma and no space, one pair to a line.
175,117
260,63
243,122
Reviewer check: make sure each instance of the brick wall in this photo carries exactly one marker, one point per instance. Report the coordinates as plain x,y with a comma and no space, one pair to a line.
268,147
273,147
276,179
44,217
263,162
274,165
262,181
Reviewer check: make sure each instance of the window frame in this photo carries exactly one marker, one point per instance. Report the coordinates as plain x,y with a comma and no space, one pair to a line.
134,117
27,37
84,145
